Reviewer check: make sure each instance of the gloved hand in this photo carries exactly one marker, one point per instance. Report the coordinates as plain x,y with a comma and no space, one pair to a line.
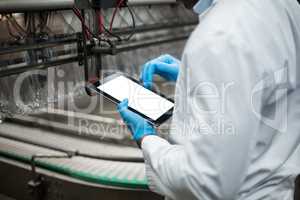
166,66
138,126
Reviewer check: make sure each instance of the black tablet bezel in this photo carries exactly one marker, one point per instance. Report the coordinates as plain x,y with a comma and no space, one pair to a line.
158,122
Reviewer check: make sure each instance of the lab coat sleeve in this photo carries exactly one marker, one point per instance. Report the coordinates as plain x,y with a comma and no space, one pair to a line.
154,145
213,163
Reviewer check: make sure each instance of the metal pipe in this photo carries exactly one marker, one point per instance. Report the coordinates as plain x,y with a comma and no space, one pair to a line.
35,46
8,6
84,53
97,59
42,65
144,28
150,42
135,45
22,61
149,2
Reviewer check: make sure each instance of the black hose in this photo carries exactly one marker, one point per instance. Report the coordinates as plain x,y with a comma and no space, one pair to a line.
133,24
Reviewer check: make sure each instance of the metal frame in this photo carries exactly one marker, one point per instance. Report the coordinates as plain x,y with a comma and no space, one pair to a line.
136,45
85,50
69,39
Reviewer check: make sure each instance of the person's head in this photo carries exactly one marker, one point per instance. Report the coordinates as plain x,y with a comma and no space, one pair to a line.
189,3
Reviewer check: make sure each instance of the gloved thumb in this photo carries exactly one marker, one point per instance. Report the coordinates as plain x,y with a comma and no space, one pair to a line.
123,106
125,113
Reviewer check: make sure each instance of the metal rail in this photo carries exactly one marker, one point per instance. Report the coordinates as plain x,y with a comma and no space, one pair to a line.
132,45
73,152
43,65
145,28
36,46
135,45
21,60
95,50
149,2
7,6
10,6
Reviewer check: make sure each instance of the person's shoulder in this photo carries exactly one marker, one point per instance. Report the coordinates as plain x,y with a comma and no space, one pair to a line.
215,24
232,22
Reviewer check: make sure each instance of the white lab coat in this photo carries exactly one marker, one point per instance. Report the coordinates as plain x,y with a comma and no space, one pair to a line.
236,130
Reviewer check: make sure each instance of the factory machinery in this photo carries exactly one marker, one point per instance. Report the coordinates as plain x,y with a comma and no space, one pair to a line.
56,150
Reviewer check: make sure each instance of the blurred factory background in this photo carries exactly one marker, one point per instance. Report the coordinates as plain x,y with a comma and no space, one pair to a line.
57,141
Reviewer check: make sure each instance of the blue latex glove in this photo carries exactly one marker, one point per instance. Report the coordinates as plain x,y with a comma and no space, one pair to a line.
138,126
166,66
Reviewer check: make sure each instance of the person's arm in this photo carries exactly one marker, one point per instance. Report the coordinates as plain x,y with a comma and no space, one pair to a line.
213,164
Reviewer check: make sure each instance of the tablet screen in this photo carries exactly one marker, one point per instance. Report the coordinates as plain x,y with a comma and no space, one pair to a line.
140,99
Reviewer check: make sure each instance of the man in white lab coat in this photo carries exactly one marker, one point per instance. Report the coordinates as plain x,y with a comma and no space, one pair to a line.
235,130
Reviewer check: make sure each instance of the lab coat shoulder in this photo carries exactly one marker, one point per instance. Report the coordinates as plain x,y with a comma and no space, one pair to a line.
237,43
252,26
222,57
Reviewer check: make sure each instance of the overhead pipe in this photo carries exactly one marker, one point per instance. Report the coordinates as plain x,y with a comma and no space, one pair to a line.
149,2
42,65
153,27
8,6
136,45
41,45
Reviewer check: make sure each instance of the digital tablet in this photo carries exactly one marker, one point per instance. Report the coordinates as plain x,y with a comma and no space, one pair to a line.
152,106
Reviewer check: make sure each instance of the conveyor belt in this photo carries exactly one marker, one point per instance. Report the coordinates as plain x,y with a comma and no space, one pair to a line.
112,173
110,158
95,148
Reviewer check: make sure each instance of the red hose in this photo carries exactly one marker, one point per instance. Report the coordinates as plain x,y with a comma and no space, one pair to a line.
100,21
88,32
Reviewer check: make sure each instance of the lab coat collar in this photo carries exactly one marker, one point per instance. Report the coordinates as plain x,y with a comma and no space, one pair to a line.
203,5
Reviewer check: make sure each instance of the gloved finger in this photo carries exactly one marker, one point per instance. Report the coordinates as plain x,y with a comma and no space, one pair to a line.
168,71
167,58
147,75
164,58
165,67
127,115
